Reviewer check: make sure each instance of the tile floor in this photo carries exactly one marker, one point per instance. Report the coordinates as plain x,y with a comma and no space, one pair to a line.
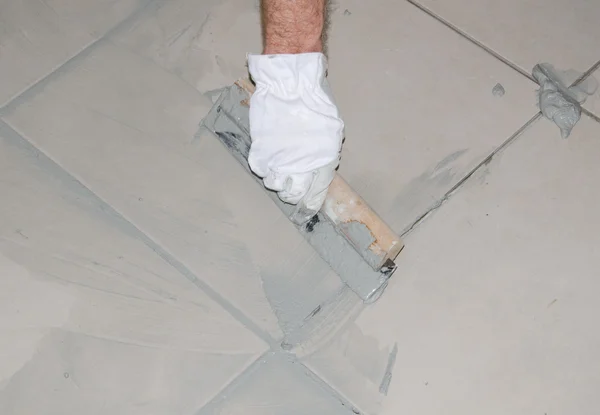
140,266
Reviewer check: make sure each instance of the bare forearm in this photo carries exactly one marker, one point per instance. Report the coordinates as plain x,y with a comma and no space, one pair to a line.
293,26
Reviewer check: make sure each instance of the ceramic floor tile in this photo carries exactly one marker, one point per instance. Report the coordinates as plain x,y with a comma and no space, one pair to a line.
39,36
74,373
493,309
205,44
91,318
124,126
278,386
593,102
418,104
561,32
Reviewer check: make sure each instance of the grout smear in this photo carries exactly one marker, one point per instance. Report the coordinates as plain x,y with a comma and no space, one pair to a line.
387,377
559,102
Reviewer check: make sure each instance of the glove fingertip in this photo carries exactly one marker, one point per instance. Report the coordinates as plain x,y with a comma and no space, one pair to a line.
274,182
295,188
287,197
256,166
316,201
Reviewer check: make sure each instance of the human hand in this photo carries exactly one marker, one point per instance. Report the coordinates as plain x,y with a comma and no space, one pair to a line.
295,127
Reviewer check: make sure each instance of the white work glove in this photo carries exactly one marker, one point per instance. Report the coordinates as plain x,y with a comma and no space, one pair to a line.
295,128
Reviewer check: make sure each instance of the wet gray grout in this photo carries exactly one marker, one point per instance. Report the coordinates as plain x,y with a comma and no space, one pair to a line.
132,230
502,147
506,143
273,344
211,407
38,86
513,137
498,150
466,177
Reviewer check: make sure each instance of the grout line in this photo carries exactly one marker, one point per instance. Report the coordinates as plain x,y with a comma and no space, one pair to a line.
291,363
501,148
462,181
130,229
213,404
472,40
581,79
38,85
590,114
587,73
320,382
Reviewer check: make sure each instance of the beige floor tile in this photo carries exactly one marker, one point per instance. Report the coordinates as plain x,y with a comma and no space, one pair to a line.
593,102
125,127
494,306
205,44
562,32
39,36
279,385
418,104
91,317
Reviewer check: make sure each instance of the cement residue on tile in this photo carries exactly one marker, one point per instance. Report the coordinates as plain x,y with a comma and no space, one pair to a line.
558,99
120,123
357,366
73,213
428,106
419,193
498,90
474,314
323,324
203,43
278,385
296,289
90,313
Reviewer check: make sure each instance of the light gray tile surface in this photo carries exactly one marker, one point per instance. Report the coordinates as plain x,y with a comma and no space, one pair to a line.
143,272
562,32
37,37
494,306
278,385
91,318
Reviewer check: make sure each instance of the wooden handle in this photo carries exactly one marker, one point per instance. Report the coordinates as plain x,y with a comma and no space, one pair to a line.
365,230
352,217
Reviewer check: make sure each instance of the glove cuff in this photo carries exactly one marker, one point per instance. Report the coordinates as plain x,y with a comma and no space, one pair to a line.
288,72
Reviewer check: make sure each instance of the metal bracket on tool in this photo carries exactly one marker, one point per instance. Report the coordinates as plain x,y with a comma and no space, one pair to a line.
357,260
